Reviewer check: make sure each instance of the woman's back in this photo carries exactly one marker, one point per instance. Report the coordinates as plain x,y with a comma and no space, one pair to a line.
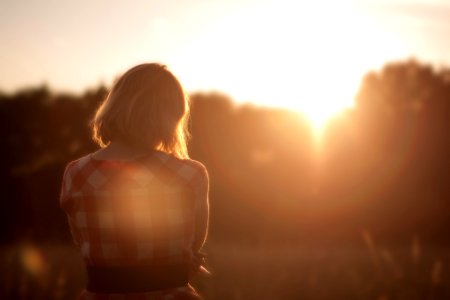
136,219
138,207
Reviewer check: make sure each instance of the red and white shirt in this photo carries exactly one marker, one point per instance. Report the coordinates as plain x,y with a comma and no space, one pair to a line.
138,212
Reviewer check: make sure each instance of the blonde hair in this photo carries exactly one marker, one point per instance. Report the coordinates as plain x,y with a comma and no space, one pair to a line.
146,108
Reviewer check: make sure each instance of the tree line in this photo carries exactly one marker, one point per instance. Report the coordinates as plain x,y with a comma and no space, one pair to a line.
382,166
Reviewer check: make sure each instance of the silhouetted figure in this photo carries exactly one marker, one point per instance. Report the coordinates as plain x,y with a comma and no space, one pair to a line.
138,207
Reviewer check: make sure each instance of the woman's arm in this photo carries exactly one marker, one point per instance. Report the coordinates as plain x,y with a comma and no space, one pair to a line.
201,211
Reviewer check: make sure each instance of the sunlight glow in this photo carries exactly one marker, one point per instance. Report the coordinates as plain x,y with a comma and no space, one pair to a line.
305,56
32,260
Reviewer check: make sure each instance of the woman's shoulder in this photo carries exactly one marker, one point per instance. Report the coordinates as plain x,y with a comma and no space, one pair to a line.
187,168
78,163
195,164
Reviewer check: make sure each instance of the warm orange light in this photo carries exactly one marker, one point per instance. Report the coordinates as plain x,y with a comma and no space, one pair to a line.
32,260
302,55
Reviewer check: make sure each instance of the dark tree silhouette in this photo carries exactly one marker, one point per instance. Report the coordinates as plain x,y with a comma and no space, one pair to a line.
384,165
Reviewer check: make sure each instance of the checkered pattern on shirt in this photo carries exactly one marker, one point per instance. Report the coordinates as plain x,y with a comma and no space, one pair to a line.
137,212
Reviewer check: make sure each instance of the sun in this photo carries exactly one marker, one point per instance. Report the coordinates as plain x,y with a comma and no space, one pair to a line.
306,56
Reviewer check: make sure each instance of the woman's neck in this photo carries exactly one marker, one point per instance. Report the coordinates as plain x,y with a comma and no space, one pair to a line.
119,151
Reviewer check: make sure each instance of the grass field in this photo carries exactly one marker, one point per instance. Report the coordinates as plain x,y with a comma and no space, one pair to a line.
361,271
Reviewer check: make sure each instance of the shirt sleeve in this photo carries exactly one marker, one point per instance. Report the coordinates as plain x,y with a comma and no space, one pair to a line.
201,208
66,187
65,201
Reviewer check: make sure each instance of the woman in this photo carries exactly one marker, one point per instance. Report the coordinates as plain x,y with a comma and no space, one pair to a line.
138,207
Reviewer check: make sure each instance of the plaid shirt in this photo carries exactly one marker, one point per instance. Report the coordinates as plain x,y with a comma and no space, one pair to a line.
139,212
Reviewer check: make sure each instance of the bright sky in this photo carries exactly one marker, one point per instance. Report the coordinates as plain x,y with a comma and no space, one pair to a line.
295,54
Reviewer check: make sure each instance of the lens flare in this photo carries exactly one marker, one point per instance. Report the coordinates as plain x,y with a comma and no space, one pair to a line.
33,260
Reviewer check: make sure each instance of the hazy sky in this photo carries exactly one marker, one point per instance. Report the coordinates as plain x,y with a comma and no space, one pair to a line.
238,47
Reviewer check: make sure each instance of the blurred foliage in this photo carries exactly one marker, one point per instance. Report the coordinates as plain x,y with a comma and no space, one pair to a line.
411,272
382,166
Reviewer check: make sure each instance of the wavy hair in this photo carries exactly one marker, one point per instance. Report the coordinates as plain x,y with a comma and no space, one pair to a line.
146,108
